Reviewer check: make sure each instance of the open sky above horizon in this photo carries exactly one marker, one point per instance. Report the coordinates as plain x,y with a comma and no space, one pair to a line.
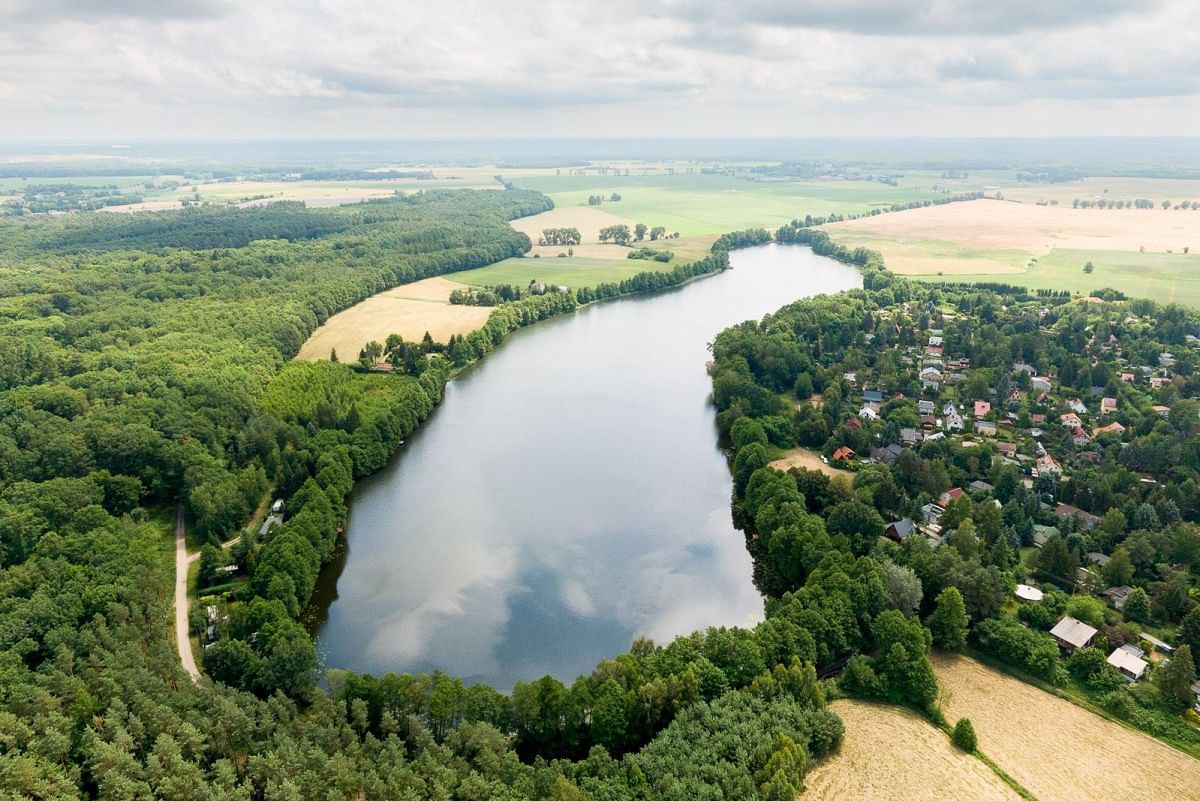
365,68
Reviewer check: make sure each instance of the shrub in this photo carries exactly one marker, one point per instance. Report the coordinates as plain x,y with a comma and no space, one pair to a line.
1011,642
964,735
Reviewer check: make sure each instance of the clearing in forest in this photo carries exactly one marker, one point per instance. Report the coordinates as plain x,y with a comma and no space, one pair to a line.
803,457
1055,749
891,754
408,310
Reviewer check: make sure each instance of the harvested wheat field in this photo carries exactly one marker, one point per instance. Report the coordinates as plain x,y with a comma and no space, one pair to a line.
409,310
997,236
890,754
588,219
1055,749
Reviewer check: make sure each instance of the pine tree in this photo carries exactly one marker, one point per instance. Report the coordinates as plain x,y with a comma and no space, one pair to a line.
1174,679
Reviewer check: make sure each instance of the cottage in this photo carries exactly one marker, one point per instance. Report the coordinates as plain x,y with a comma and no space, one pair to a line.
1128,661
1108,406
982,408
954,422
855,423
931,378
1127,378
1166,359
985,428
1040,384
932,513
382,367
886,455
1040,419
1021,367
1112,428
843,454
1070,420
1006,449
868,412
1080,438
899,529
851,378
1077,406
925,407
980,486
1157,381
1071,634
1161,411
1097,558
1024,592
1087,519
944,499
948,408
1117,595
873,396
928,421
1158,644
910,436
1047,464
935,340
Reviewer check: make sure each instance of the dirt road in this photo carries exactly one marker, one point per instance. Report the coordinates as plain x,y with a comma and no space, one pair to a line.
182,641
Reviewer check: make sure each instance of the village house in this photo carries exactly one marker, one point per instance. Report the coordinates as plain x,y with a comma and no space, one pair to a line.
1087,519
910,436
1040,384
1080,438
1157,381
1070,420
931,378
1118,595
843,454
985,428
1070,634
1166,359
899,529
944,499
925,407
1006,449
1021,367
980,486
1127,378
1047,464
886,455
1077,406
1128,661
1112,428
1042,533
954,421
1108,406
982,408
869,411
1162,411
873,396
935,340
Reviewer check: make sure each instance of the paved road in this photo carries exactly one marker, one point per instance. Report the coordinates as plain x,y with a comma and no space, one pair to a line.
182,641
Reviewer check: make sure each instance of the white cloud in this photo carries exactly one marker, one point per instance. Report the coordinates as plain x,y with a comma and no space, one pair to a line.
135,68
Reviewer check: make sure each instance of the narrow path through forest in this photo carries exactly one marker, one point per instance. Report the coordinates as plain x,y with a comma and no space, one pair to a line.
182,641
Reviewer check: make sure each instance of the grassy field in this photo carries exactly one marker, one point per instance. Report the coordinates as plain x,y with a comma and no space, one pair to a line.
891,754
1157,189
1164,277
1055,749
1139,252
715,204
408,310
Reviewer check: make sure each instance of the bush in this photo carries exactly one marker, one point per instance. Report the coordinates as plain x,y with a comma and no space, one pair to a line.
1011,642
964,735
1087,609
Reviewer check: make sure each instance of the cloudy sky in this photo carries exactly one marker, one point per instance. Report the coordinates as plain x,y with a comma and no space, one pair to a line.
398,69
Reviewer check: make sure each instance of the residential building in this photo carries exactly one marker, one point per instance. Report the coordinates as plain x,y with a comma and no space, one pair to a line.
982,408
1070,634
1128,661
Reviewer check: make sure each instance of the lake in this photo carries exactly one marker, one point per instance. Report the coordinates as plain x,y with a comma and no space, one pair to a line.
567,496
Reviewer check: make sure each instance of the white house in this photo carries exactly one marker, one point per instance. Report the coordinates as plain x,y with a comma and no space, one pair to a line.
1128,660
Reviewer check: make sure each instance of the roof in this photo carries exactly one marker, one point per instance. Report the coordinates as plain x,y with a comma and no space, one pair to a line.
842,453
873,395
1073,631
1125,661
902,528
1098,558
981,486
1028,593
982,408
